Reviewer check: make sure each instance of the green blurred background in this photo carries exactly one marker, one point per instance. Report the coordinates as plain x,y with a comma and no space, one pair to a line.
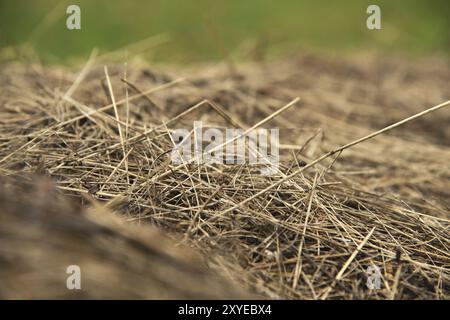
190,31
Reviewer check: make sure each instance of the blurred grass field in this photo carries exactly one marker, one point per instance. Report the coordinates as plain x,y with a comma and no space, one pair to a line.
195,30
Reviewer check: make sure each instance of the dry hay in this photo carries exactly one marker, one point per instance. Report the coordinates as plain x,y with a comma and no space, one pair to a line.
382,202
43,233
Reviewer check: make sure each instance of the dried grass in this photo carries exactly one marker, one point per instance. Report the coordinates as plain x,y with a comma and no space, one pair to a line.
311,230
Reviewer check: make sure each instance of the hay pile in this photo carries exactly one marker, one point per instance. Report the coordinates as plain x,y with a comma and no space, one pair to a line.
43,233
384,202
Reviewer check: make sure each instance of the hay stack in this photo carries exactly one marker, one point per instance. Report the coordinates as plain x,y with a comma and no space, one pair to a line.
45,234
383,203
